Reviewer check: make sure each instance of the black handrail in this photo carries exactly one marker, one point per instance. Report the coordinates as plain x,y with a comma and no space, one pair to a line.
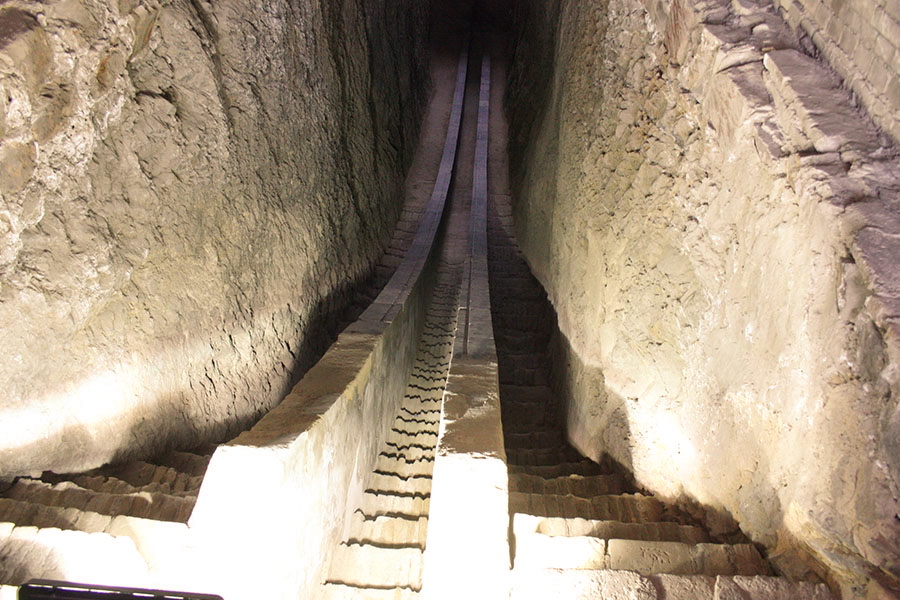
46,589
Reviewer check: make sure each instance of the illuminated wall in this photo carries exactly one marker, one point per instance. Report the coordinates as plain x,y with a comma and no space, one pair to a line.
190,190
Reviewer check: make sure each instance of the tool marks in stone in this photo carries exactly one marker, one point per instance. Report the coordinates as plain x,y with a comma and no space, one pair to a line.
582,529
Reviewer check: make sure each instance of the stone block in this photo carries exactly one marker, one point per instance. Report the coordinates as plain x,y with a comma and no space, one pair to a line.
581,585
363,565
653,557
537,551
768,588
684,587
813,97
877,252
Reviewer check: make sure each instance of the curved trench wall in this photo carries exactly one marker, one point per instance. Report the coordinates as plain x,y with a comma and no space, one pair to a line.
716,226
189,189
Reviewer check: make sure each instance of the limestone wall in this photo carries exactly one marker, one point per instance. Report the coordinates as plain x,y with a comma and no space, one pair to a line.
716,226
860,39
188,190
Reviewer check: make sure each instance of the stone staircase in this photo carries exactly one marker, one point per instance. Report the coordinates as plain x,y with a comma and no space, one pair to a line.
582,529
382,555
85,526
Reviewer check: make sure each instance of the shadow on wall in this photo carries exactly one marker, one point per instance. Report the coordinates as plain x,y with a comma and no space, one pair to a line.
135,410
651,441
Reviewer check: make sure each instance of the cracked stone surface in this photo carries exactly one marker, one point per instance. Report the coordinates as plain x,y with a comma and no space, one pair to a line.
716,226
189,191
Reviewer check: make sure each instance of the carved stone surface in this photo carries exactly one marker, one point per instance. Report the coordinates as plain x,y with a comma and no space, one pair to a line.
189,191
716,225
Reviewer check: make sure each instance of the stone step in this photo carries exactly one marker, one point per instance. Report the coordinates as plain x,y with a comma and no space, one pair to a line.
521,286
387,465
416,385
521,339
336,591
407,437
537,551
583,467
535,359
628,508
417,399
146,505
539,457
114,485
534,439
518,311
517,419
555,584
524,337
428,397
436,342
16,513
426,421
364,565
395,483
665,531
403,465
49,553
405,428
574,485
768,588
516,429
433,346
676,558
189,463
386,531
154,478
528,394
23,513
408,452
427,378
386,504
418,411
519,374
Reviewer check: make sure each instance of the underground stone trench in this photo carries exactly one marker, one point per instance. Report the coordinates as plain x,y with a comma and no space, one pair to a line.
616,341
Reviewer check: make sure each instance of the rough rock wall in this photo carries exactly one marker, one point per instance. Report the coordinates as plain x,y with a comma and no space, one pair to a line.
716,226
860,39
189,189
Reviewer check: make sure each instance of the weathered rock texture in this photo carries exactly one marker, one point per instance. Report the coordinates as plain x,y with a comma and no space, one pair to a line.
717,228
189,189
860,39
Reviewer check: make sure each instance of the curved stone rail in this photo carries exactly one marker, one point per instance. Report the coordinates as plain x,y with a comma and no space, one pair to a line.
270,509
468,523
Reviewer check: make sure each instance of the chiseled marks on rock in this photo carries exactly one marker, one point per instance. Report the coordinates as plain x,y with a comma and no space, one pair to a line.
716,227
189,190
859,39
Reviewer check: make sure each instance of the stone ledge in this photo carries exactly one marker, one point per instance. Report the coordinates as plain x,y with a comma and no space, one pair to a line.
841,55
799,107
